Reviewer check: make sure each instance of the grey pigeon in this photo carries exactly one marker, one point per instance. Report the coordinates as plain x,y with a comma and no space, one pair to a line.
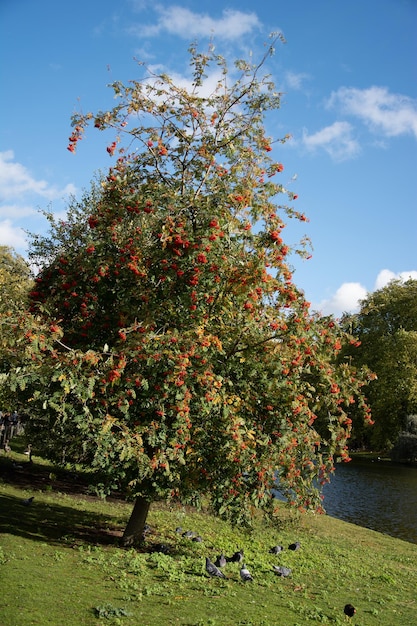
237,557
28,502
198,539
294,546
245,574
220,561
163,548
178,529
188,534
280,570
146,530
213,570
276,549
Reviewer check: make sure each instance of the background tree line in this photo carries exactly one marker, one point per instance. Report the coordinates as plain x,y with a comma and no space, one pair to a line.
386,327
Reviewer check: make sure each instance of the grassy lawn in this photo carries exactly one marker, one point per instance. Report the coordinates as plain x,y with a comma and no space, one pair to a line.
60,564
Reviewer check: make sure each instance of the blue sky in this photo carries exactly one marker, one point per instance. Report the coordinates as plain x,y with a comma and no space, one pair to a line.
348,71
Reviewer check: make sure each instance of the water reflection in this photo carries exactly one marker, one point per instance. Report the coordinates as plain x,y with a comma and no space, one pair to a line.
377,495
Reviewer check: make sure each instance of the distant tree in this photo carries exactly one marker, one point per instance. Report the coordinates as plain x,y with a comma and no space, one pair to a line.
386,327
170,348
15,282
405,447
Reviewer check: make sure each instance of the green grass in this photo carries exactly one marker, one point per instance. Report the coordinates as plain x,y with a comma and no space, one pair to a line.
60,565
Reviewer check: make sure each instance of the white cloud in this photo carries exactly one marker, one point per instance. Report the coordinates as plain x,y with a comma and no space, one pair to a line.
11,236
386,276
295,81
388,113
140,5
348,296
337,140
345,300
20,195
179,21
208,87
16,211
16,181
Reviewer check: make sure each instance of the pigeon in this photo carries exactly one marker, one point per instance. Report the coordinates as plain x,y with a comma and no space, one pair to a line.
146,530
245,574
178,529
197,539
220,561
213,570
294,546
28,502
349,610
280,570
237,557
276,549
161,547
188,534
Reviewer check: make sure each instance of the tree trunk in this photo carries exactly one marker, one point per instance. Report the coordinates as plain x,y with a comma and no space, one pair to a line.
134,530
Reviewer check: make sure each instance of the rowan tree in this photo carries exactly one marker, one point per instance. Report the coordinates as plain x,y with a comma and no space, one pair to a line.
179,358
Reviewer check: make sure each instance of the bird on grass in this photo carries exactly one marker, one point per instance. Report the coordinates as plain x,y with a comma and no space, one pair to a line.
280,570
236,558
220,561
276,549
188,534
245,574
213,570
294,546
28,501
146,530
163,548
349,610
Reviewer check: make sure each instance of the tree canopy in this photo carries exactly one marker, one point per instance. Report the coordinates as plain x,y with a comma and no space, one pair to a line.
15,283
386,327
15,278
176,354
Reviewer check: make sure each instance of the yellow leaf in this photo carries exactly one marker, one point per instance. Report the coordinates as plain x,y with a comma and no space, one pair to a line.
108,423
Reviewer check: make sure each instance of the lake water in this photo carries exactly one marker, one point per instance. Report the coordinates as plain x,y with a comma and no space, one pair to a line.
378,495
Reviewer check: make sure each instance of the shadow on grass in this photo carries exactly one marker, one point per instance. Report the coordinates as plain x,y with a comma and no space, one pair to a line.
55,523
18,471
51,522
